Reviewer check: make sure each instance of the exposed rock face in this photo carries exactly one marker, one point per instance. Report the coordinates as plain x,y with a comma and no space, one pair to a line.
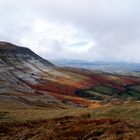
19,69
10,51
17,65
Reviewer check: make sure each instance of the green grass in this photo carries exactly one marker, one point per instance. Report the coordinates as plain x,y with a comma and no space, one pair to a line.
124,111
125,95
99,92
135,94
136,88
130,94
103,89
21,115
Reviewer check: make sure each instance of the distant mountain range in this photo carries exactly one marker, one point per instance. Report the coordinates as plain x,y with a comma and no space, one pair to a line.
119,67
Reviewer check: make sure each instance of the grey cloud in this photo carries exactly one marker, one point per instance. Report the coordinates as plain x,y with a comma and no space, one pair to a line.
114,26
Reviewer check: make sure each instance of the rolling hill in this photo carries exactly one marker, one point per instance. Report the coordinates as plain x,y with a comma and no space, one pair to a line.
41,100
26,79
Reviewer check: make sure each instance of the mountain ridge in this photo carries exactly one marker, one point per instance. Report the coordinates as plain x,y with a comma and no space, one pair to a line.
23,73
19,52
31,80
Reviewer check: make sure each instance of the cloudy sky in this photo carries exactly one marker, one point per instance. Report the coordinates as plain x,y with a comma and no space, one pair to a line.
107,30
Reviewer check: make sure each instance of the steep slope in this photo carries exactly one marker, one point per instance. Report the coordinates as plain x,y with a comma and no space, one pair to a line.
39,99
16,65
25,77
27,80
17,69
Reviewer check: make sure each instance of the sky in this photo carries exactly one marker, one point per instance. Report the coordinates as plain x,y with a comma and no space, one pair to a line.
91,30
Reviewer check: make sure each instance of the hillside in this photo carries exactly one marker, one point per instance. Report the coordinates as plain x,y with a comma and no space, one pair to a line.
27,80
41,100
111,122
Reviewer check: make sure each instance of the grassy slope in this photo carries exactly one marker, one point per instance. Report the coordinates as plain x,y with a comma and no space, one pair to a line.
101,92
124,111
104,123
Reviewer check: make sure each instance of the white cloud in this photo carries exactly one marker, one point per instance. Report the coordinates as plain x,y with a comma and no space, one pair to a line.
83,29
52,40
